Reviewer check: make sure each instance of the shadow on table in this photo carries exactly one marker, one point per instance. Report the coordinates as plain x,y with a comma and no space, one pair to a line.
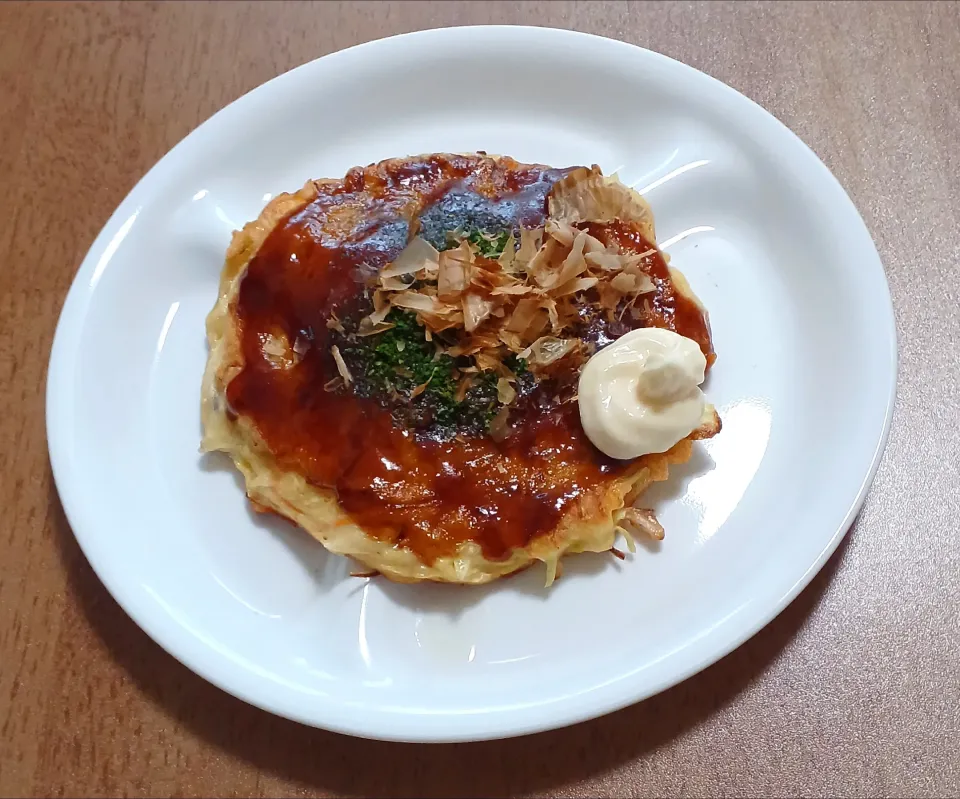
339,764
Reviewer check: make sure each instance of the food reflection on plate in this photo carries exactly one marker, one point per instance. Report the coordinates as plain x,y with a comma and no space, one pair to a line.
450,367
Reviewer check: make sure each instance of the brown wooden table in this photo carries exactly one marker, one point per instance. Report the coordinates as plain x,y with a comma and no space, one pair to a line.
853,690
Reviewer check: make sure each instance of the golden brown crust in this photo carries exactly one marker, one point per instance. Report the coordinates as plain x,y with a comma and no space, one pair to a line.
590,525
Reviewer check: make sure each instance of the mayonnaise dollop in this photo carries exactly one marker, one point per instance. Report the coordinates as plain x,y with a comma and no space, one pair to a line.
641,393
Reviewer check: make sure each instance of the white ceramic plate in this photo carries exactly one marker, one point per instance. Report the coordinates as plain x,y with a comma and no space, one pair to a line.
804,382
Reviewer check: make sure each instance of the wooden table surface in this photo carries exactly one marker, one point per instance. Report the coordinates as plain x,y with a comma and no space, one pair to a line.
853,690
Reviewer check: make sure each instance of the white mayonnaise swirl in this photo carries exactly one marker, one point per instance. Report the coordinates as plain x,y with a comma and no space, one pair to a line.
641,393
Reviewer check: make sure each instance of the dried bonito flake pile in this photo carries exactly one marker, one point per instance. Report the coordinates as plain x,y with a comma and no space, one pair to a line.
528,301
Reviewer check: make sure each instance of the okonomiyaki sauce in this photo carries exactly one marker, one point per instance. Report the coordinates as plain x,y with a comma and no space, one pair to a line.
396,484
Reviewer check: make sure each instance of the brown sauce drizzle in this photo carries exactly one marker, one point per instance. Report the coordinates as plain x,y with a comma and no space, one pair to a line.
424,495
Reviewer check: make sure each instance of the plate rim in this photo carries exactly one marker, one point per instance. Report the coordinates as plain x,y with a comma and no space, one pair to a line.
61,373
